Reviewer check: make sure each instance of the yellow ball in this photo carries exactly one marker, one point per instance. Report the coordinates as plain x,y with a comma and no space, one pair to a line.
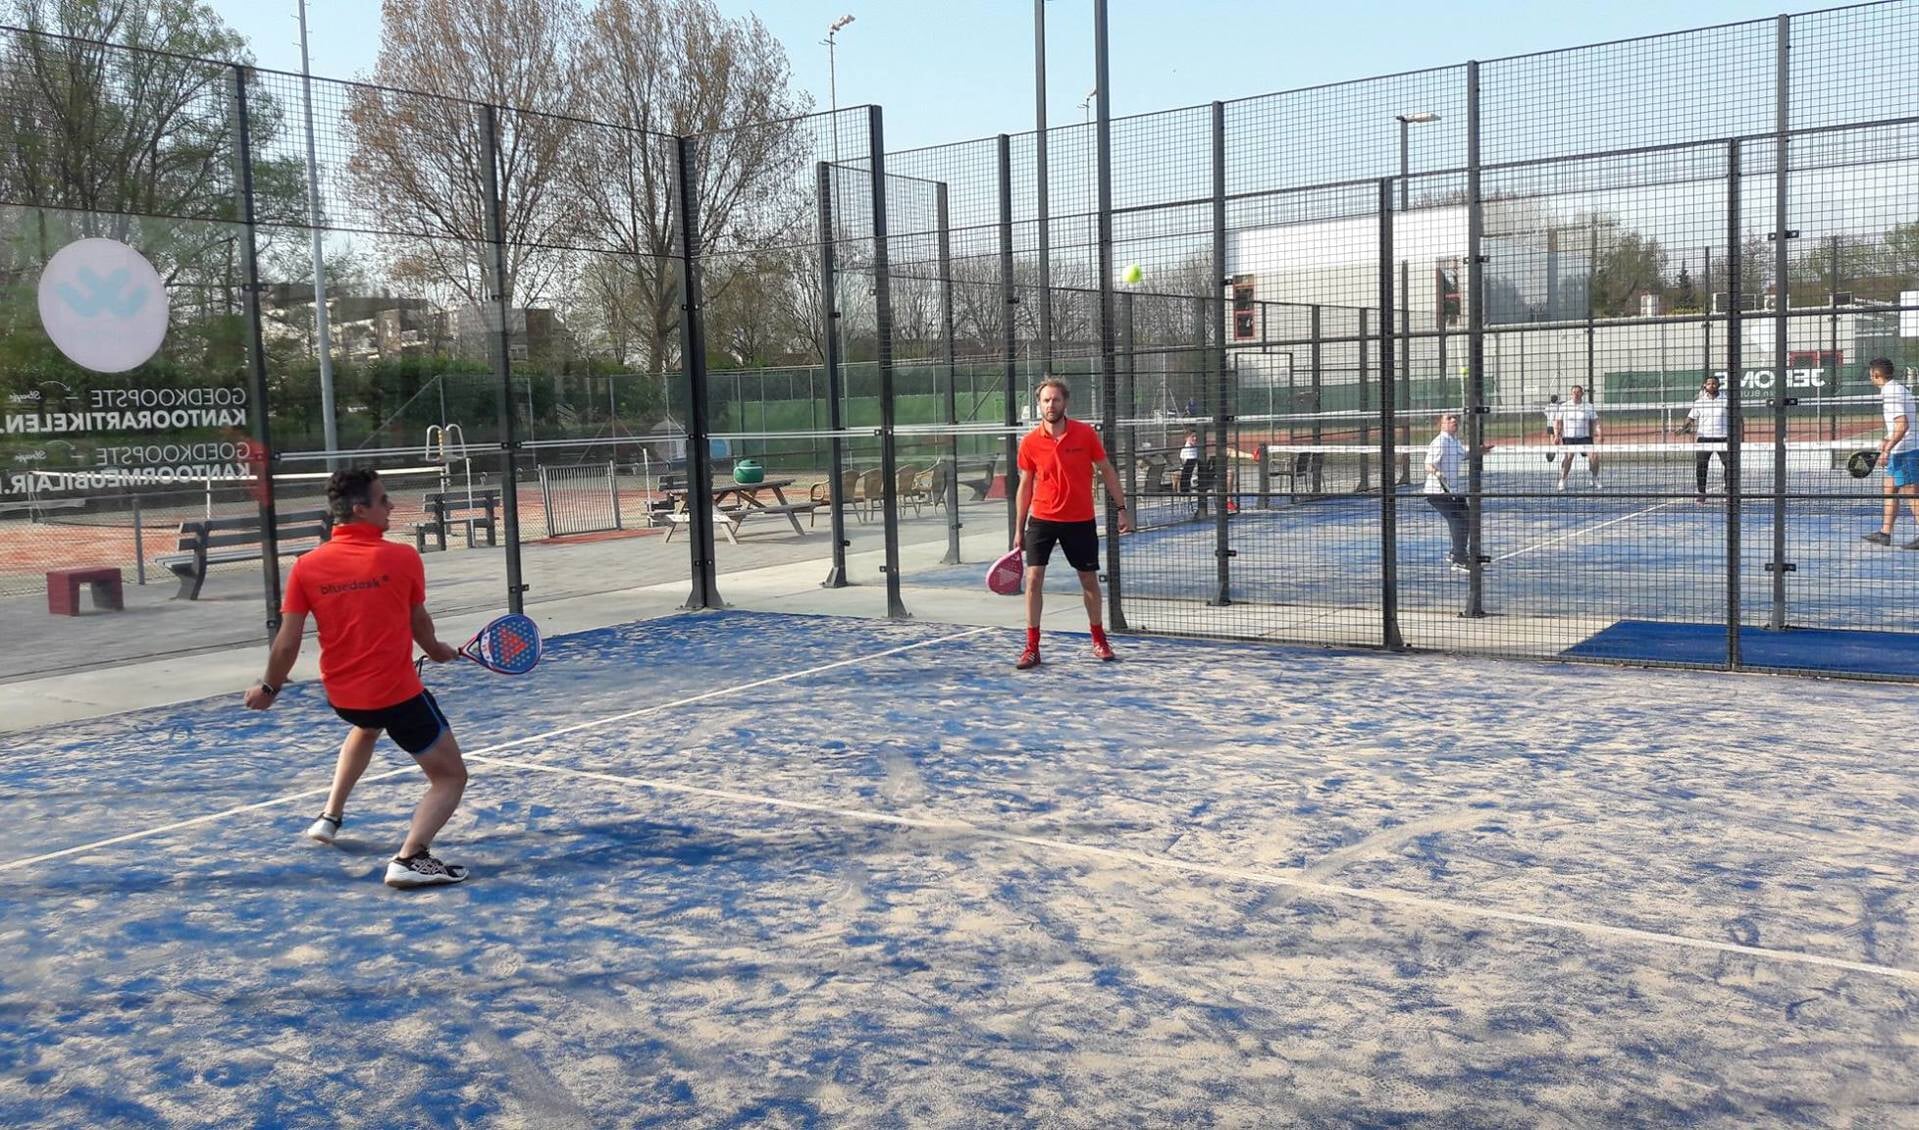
1132,274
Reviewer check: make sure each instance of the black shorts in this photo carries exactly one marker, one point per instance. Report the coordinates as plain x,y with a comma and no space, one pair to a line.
1080,540
1577,441
414,725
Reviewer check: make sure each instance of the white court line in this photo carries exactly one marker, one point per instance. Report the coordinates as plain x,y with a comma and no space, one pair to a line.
1438,907
1584,532
289,798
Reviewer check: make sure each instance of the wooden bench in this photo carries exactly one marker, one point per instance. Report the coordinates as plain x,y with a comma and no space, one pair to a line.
457,506
63,589
220,541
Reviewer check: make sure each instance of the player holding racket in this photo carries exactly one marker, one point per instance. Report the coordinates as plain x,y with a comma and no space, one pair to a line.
1054,506
368,596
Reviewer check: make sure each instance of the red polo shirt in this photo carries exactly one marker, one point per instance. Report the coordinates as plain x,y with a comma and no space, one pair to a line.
1062,471
361,589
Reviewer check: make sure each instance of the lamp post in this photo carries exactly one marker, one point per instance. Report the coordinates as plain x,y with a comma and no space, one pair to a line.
833,78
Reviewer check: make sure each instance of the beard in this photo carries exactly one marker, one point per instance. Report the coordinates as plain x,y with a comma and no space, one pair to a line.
1052,415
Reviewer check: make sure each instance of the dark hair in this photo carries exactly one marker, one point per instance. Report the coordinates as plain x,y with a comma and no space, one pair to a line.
349,488
1881,365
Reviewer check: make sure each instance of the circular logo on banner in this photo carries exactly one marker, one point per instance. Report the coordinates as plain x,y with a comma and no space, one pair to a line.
103,304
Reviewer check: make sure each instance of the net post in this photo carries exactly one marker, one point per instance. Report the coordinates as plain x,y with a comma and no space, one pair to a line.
257,392
952,376
1782,289
1216,330
699,469
500,344
1736,431
830,347
1475,357
883,317
1009,344
1390,637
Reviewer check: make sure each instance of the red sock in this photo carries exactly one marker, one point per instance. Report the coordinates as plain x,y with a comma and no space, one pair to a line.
1099,634
1032,639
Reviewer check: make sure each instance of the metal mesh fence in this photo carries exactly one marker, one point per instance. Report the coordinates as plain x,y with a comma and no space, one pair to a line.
1555,248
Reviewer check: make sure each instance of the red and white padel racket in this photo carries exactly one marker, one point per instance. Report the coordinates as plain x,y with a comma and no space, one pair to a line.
1006,574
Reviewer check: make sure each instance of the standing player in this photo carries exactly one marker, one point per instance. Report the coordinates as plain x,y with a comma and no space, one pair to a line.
1445,479
1707,421
1899,451
1055,507
369,598
1576,424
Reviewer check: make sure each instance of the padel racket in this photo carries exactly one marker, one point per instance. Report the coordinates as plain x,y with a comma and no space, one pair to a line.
1861,463
1005,575
510,645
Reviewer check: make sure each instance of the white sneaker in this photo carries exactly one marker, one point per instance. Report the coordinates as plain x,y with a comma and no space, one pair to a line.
1597,485
422,870
1562,485
325,829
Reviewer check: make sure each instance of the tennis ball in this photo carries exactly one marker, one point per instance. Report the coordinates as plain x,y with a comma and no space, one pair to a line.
1132,274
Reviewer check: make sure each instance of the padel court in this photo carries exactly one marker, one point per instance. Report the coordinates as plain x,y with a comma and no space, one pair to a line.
742,869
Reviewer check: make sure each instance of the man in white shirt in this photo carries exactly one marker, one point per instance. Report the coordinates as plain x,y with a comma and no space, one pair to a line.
1576,424
1899,451
1708,423
1446,485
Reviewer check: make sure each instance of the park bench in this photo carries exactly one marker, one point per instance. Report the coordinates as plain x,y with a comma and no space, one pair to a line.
221,541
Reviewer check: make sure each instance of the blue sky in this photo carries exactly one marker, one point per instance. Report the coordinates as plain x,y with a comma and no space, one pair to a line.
950,70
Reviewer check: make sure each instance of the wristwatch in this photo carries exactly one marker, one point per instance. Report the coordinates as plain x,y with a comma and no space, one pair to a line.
268,687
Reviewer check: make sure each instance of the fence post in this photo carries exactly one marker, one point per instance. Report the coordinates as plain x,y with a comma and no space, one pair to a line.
1216,328
1108,315
883,317
1475,407
830,341
1315,368
1044,204
1388,495
256,352
1782,237
501,343
952,378
1736,432
1009,344
699,467
1365,425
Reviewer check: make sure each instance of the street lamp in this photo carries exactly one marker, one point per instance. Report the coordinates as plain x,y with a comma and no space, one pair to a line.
833,78
1405,120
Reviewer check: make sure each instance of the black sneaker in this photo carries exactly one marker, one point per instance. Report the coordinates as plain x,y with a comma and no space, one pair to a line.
422,870
1879,537
1913,544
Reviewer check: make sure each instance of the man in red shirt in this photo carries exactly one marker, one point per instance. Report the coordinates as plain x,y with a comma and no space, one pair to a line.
369,598
1056,463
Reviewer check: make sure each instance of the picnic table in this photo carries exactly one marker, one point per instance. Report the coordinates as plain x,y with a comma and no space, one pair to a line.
734,503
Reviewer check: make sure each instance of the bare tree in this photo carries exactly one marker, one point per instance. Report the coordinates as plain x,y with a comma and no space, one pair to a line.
416,161
668,68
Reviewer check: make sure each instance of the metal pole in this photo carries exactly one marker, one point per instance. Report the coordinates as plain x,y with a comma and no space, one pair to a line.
1388,497
1045,210
699,469
1782,290
952,379
883,316
1592,269
1128,346
329,421
256,351
1705,325
1215,326
1736,431
1317,370
1475,355
1108,361
1829,373
1009,343
1365,435
1405,164
835,410
501,299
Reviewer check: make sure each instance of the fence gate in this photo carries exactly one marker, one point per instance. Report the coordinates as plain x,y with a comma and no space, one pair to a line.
582,499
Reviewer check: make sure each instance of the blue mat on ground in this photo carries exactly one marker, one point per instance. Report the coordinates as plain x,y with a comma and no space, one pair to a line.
1799,649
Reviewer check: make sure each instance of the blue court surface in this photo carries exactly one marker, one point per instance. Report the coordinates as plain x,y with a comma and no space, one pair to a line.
753,870
1892,654
1587,555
